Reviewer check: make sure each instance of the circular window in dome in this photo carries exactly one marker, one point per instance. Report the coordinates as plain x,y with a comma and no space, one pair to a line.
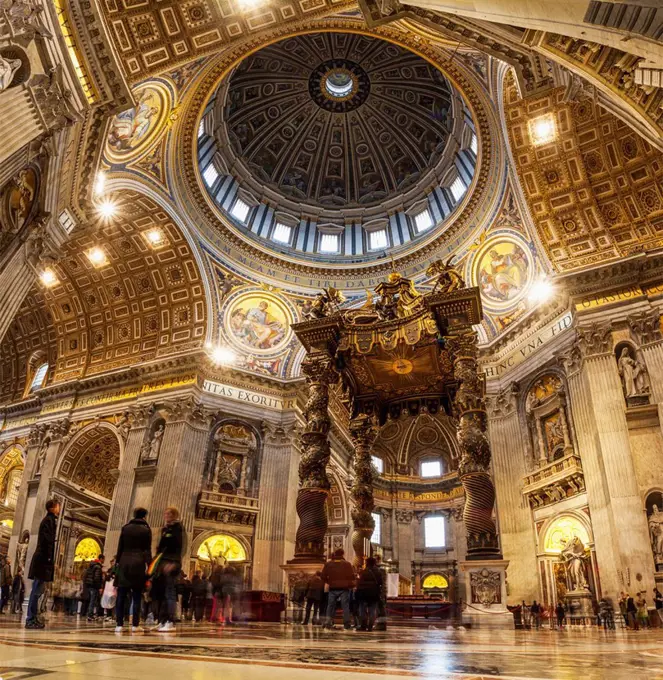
339,83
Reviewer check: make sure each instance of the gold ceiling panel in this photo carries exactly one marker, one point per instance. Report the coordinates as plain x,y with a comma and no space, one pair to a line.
594,193
152,37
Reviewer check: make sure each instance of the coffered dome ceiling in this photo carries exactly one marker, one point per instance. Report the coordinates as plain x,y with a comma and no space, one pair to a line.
338,118
333,143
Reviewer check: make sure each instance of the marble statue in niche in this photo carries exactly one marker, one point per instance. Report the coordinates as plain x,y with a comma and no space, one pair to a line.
573,556
8,69
655,520
635,381
152,447
41,456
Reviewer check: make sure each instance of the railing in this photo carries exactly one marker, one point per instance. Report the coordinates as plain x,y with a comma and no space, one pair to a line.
558,469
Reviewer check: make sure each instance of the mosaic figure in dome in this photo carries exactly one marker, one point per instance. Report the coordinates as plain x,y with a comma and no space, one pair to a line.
503,272
256,327
129,128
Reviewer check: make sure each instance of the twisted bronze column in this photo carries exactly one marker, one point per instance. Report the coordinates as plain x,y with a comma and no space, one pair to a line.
470,411
363,433
313,481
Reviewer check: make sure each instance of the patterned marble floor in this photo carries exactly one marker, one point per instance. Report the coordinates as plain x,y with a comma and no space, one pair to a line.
68,649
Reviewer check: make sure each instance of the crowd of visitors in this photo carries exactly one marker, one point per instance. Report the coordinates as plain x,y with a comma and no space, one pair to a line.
361,596
135,584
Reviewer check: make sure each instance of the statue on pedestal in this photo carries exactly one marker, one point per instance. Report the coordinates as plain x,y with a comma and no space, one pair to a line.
152,446
573,556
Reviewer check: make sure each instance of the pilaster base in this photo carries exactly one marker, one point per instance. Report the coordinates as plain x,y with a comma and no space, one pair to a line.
485,594
298,572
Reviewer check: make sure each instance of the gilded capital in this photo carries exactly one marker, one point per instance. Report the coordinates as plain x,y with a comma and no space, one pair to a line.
646,327
594,340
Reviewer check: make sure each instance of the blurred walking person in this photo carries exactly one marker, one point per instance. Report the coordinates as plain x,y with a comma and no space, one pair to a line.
169,567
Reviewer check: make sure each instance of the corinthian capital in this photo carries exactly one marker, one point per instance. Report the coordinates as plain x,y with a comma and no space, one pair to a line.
318,367
503,404
363,430
646,327
594,340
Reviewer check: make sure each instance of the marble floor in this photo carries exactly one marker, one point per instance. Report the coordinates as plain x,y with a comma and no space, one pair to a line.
67,649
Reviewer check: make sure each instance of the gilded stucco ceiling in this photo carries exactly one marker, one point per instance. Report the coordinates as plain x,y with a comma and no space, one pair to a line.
360,149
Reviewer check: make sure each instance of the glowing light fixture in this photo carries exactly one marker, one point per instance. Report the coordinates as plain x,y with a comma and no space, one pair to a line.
540,291
155,237
107,208
97,257
542,130
100,183
48,278
222,355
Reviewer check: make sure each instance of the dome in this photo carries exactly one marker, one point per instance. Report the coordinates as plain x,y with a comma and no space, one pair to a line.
336,144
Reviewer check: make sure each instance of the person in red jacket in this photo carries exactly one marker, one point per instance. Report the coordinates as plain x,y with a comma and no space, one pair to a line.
339,576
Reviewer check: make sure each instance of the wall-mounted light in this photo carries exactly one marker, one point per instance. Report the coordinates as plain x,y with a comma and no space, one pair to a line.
97,257
222,355
48,278
540,291
107,209
542,130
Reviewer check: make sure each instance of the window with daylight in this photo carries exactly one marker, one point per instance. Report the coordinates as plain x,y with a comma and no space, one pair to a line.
210,175
240,210
434,532
282,233
431,468
458,189
39,377
201,128
376,536
378,463
13,485
329,243
474,144
423,221
377,240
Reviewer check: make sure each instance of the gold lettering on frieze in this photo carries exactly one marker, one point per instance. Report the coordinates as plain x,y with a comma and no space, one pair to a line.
62,405
421,497
608,298
169,383
249,396
652,289
526,347
12,424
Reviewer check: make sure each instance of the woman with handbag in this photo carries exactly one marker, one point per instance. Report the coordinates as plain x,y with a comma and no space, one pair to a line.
134,554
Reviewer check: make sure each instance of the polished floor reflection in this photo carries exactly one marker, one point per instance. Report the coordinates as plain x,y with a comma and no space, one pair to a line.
67,649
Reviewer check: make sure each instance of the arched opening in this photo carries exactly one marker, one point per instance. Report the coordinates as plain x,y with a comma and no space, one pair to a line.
221,550
435,584
84,480
11,474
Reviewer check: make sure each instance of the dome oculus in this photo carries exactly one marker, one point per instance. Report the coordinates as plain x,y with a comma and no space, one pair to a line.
339,85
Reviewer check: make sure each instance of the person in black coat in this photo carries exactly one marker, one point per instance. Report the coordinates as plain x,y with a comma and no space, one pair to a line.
369,587
169,567
94,583
42,566
134,554
315,591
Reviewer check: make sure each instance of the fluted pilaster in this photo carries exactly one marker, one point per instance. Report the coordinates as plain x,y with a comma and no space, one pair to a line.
271,524
515,516
20,122
16,279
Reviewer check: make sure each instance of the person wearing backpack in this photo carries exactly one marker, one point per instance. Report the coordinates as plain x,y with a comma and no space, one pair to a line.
369,587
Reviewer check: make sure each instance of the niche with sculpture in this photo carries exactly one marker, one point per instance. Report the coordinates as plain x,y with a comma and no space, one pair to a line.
654,507
547,419
149,452
633,375
231,465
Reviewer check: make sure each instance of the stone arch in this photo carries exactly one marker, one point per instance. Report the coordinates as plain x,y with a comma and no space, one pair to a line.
199,540
11,459
337,500
574,518
90,458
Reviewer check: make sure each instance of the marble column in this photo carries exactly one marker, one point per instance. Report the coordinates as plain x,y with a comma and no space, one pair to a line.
404,543
121,508
363,433
269,543
179,474
16,279
515,516
618,519
314,483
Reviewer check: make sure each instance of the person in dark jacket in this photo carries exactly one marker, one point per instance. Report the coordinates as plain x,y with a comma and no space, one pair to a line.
198,596
339,576
134,554
184,593
369,588
5,583
94,583
42,566
314,591
170,565
18,592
